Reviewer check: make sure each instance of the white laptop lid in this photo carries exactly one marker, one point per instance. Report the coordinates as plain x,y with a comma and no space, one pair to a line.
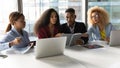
115,37
50,46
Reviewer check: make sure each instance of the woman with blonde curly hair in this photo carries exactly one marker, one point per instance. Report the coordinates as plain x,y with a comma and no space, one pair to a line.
101,28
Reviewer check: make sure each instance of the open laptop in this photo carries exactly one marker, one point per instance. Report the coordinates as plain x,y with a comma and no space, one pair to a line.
114,38
50,47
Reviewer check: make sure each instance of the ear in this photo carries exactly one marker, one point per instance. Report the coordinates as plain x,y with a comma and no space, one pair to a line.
14,22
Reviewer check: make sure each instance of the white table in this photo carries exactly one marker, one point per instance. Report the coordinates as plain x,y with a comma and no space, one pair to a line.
74,57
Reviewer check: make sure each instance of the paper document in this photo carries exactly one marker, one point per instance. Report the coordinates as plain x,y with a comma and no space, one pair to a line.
71,38
24,50
16,50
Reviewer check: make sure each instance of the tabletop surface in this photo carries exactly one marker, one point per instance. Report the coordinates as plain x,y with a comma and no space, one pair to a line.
74,57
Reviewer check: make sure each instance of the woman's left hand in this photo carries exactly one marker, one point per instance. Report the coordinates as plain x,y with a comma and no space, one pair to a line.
84,35
58,35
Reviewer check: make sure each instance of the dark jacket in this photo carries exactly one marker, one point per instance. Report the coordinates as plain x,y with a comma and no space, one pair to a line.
79,28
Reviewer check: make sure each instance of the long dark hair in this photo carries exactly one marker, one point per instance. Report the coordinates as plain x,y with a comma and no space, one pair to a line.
44,20
14,16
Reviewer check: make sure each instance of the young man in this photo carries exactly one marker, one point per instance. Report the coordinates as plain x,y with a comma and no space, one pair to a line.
72,26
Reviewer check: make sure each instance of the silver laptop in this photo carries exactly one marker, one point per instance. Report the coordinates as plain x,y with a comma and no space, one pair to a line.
114,38
50,47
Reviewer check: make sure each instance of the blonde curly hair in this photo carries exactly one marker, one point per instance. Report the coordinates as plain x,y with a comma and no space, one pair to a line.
104,17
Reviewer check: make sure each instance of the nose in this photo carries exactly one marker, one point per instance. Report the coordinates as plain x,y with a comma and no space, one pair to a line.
24,23
68,19
55,18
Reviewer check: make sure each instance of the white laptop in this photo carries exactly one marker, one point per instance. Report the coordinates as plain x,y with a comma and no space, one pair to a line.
50,47
114,38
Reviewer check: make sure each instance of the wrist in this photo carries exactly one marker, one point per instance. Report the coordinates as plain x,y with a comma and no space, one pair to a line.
82,41
11,44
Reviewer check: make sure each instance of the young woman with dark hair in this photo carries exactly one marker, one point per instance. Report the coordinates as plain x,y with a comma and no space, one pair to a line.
48,24
15,36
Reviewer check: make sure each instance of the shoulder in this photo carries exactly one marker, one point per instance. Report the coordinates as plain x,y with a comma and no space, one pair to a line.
24,31
64,24
109,24
92,27
79,23
10,33
8,36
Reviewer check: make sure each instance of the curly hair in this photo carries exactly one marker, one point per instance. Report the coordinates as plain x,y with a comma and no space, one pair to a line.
104,17
44,20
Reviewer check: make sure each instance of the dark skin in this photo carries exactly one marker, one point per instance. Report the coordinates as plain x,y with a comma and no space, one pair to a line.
70,17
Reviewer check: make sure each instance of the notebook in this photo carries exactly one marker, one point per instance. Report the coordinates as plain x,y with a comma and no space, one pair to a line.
71,38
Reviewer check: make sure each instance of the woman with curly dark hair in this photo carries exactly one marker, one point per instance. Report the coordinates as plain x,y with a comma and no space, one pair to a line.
48,24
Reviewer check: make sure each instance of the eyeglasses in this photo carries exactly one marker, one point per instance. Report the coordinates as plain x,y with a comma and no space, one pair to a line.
95,16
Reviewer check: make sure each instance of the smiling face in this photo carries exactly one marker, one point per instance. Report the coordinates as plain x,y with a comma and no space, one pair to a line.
70,17
53,18
95,17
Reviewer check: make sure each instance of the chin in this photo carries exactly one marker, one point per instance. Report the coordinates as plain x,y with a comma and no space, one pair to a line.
23,27
53,23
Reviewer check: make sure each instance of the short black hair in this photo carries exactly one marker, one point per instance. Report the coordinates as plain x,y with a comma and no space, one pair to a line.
71,10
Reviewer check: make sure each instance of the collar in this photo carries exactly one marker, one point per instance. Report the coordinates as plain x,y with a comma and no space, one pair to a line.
69,25
14,30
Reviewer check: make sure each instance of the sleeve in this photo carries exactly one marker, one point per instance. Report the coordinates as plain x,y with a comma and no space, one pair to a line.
85,39
4,43
90,31
4,46
84,29
61,29
113,28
